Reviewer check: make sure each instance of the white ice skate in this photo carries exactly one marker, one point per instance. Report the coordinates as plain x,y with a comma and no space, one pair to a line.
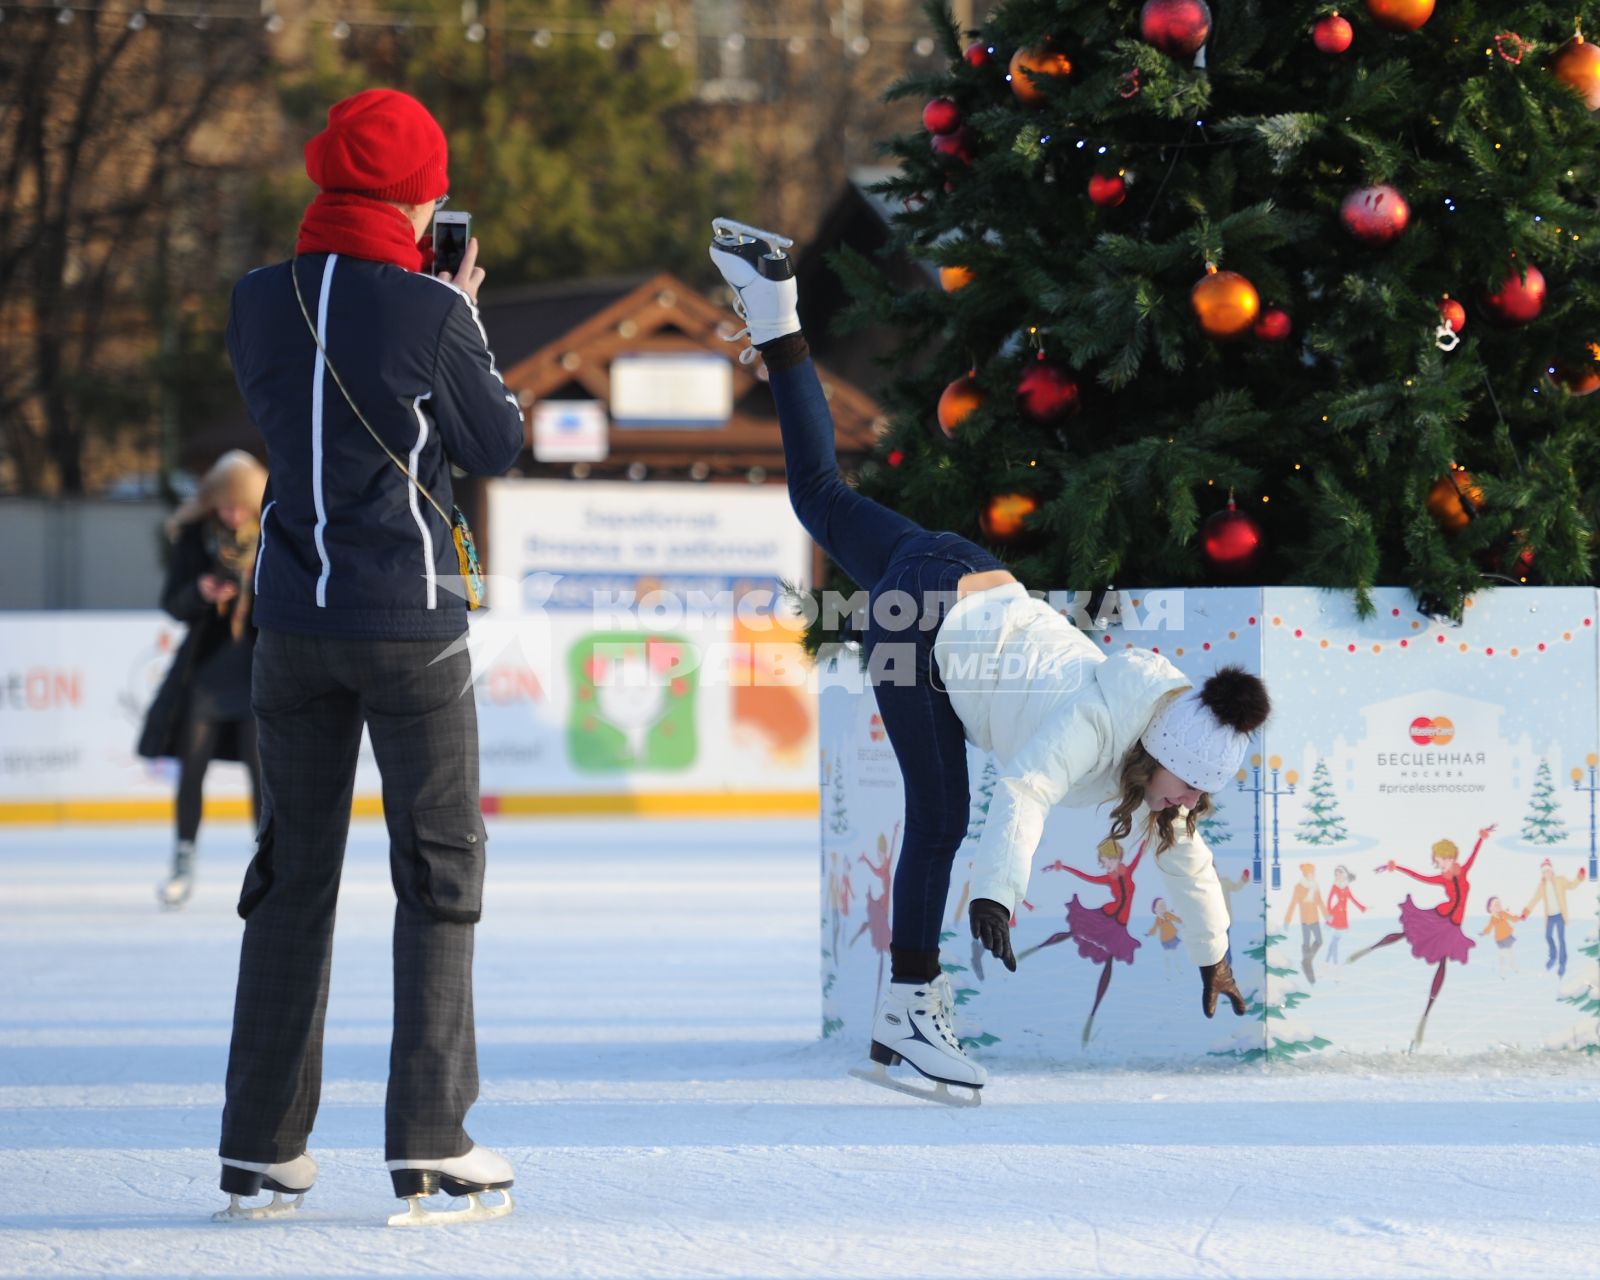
470,1175
246,1178
174,891
914,1025
761,275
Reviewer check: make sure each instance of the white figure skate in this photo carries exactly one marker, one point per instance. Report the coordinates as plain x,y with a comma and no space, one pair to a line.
914,1026
761,275
174,891
247,1178
470,1175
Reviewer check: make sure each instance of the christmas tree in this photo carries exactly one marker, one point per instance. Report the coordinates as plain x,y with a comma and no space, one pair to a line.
1543,825
1587,1000
1323,823
982,798
1336,270
839,816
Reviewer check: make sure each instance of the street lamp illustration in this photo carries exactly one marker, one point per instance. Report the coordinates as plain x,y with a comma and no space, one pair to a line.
1255,793
1578,784
1274,763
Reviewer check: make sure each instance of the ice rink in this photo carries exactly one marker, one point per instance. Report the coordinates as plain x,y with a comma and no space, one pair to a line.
648,1015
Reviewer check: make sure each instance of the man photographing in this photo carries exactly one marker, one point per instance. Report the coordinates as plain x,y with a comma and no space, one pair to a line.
367,378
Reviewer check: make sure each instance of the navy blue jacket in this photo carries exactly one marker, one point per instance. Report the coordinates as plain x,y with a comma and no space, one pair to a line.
348,545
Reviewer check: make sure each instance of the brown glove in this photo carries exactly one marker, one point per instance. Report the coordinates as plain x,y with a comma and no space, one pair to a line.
1217,980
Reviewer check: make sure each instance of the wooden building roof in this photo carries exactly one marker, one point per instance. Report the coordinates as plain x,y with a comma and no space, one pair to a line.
558,342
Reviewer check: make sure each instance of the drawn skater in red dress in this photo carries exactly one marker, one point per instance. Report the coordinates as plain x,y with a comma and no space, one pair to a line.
876,925
1340,899
1435,935
1100,932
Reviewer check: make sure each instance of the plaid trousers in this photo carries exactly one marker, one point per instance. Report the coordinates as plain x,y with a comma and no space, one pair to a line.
311,695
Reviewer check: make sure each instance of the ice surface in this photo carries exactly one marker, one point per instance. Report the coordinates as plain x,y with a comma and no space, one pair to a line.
648,1013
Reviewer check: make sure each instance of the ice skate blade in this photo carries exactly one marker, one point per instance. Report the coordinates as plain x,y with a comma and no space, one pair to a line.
729,233
936,1090
418,1215
277,1207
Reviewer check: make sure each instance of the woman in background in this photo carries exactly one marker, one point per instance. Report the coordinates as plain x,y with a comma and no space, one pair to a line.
202,712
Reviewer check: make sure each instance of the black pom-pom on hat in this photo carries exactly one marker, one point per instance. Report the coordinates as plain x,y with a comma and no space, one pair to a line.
1237,699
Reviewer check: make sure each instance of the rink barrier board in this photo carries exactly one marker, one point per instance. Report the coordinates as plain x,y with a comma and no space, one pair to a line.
1390,735
659,804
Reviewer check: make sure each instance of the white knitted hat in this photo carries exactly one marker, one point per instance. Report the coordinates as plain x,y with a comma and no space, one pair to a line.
1187,738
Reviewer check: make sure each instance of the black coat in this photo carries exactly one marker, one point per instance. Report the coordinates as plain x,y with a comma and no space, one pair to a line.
348,546
210,675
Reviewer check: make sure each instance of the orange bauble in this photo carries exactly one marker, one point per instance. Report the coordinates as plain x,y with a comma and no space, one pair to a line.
1225,304
1445,501
958,400
1043,61
1001,520
953,278
1578,65
1576,378
1400,15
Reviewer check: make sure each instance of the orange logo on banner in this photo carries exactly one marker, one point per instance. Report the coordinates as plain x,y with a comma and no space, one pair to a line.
875,729
1435,731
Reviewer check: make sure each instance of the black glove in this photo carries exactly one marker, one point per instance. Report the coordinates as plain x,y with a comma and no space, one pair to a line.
991,925
1217,980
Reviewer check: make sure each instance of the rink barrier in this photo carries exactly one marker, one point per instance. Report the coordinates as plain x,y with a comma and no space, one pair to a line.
644,804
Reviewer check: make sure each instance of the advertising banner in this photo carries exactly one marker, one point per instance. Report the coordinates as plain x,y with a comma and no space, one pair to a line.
639,641
1362,921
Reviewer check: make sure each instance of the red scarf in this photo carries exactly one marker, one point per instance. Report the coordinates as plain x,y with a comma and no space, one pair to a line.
361,228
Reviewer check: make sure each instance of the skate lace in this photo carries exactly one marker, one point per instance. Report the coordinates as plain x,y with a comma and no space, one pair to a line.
748,355
943,1003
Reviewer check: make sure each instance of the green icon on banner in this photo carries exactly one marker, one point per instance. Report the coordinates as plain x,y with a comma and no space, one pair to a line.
633,696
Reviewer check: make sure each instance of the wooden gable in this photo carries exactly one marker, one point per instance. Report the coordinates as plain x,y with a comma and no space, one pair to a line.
664,315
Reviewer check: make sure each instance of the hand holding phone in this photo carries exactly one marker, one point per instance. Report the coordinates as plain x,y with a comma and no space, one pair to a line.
455,252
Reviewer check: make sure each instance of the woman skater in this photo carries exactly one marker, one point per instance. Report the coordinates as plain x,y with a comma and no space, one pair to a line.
1435,936
957,650
202,711
1101,933
1340,899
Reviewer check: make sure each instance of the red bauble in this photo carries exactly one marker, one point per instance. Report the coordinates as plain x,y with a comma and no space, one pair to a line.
1520,299
1333,34
1177,27
1453,314
1274,325
1108,190
1375,216
1231,541
941,116
896,457
977,54
1047,392
959,145
1400,15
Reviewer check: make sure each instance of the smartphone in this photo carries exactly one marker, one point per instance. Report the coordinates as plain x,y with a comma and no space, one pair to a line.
451,231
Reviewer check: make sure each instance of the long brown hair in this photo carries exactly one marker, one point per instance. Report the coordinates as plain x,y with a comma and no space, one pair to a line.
1138,771
237,479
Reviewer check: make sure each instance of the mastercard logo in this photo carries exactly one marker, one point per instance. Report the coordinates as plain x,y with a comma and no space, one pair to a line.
875,729
1432,731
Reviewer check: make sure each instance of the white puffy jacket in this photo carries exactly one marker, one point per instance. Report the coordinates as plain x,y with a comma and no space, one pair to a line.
1059,716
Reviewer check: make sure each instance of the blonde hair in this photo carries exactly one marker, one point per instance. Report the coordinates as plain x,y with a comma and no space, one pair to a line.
1109,850
1446,851
235,479
1138,771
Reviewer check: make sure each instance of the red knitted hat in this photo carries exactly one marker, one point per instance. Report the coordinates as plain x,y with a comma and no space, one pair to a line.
383,144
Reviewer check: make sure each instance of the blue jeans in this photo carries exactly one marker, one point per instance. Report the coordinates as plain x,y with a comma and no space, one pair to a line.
886,553
1555,937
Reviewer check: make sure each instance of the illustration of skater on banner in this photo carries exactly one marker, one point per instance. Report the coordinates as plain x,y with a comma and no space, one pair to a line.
1503,925
1340,899
1307,904
1435,935
1551,897
1101,933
